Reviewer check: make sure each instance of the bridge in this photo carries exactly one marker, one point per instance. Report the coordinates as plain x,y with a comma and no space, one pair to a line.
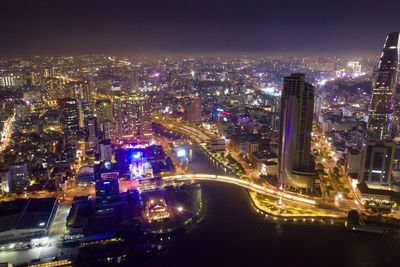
236,181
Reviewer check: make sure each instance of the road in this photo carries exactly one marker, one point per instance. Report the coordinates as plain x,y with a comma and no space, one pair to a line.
324,147
289,199
5,135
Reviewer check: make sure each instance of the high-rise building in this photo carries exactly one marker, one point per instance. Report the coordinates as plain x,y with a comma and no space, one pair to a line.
5,181
144,115
69,115
103,113
86,115
7,81
18,175
132,115
105,150
107,192
79,90
193,111
49,72
382,103
296,165
135,80
92,133
377,163
22,110
126,116
353,67
107,183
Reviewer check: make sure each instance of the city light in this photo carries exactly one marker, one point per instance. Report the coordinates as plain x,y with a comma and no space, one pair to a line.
181,152
98,149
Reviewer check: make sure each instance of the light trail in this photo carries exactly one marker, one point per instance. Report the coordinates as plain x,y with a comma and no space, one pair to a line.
236,181
6,133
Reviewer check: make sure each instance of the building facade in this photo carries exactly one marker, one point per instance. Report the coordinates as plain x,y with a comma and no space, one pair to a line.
69,115
377,164
133,117
381,110
296,166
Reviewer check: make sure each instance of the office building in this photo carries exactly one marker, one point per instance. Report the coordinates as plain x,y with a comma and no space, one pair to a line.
18,175
5,181
107,191
380,117
193,111
133,118
69,115
105,150
144,115
353,67
92,133
377,164
135,81
7,81
296,165
107,183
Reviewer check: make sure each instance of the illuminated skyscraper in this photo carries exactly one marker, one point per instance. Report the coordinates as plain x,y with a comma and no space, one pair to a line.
144,115
296,166
135,80
103,113
382,103
132,115
69,115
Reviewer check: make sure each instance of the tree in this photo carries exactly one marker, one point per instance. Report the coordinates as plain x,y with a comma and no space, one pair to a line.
336,170
320,166
170,165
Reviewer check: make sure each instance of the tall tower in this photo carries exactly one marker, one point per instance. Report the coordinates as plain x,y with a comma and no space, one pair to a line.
70,115
382,103
135,81
144,116
296,166
104,113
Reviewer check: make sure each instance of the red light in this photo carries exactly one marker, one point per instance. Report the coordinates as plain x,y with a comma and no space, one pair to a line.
316,62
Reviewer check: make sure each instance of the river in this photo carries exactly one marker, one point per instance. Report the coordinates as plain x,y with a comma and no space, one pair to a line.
233,233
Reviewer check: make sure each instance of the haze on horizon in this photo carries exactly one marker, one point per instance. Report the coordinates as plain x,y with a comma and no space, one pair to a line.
200,27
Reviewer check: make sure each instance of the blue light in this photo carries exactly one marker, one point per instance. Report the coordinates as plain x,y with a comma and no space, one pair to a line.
106,182
220,110
136,155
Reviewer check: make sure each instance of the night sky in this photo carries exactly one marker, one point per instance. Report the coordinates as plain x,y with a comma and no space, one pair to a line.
187,26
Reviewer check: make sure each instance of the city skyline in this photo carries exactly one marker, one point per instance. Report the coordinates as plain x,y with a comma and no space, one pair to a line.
142,132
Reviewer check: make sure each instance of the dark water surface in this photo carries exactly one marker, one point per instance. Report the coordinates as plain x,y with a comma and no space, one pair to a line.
232,233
